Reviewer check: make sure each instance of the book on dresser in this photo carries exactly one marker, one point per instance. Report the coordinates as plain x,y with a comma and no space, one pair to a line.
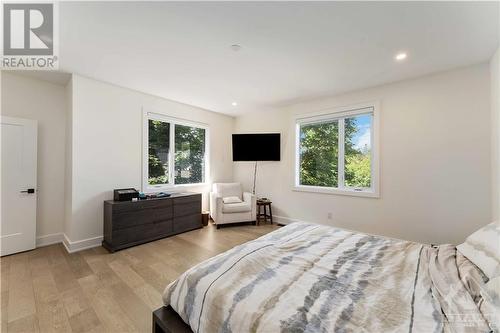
129,223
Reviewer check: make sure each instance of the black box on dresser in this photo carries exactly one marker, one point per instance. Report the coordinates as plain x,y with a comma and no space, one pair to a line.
129,223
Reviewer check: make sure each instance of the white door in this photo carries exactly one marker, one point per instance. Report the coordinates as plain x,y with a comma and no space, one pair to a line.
18,195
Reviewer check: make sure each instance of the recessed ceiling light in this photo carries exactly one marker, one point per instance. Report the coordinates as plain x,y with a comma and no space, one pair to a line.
401,56
235,47
234,104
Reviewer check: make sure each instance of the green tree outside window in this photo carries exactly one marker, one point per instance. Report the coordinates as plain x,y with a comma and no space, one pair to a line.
319,153
189,153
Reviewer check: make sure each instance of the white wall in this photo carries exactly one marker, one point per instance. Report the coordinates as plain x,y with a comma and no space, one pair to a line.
435,160
495,133
437,166
107,147
435,153
68,175
43,101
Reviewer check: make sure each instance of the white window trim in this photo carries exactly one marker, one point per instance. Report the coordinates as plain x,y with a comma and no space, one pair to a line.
337,113
146,187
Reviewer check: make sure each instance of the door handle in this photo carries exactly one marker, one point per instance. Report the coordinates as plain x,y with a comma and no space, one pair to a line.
29,191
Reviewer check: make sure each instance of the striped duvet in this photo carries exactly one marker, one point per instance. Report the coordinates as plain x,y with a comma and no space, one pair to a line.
312,278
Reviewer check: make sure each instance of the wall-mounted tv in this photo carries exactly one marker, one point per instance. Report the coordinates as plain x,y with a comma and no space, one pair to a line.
256,147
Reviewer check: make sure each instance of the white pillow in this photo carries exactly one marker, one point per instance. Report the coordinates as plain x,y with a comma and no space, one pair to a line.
483,249
230,200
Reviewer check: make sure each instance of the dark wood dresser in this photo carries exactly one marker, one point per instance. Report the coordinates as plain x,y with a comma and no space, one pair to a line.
129,223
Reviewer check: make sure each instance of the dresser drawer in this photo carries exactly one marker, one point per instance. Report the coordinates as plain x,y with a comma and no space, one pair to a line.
188,222
188,199
142,232
127,219
187,206
139,205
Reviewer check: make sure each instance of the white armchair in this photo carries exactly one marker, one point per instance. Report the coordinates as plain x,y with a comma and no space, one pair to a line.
225,213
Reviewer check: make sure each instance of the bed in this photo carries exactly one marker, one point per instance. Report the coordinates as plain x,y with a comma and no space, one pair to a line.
313,278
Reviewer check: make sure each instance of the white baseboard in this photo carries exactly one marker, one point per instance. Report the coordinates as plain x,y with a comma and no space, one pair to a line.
69,245
81,244
284,220
49,239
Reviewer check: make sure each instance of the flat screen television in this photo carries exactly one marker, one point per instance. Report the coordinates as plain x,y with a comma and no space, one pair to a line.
256,147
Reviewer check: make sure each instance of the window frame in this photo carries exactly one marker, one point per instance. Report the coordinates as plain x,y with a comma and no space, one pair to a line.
150,115
339,114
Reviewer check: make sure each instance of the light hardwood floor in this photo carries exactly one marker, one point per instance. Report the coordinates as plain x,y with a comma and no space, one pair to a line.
49,290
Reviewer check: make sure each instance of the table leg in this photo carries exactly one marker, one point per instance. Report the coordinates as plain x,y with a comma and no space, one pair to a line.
271,214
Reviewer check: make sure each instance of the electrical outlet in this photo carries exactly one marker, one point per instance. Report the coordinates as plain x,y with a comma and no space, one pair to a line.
329,216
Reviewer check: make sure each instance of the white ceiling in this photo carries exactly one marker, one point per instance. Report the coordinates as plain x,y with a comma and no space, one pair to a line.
291,51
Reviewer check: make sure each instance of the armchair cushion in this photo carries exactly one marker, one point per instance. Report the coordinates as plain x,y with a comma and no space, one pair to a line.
231,200
240,207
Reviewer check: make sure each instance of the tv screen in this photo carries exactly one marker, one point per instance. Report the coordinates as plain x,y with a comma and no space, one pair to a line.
256,147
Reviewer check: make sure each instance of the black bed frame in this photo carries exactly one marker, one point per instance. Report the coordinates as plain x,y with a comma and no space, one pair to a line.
166,320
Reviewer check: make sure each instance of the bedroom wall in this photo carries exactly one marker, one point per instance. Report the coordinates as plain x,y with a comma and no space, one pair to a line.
495,133
68,175
435,160
107,148
31,98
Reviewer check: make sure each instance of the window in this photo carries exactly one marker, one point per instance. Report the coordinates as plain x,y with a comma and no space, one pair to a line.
158,152
336,152
176,152
319,154
189,154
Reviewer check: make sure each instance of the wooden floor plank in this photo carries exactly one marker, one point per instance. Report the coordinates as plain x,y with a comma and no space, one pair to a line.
24,325
49,290
133,306
85,321
4,273
110,313
45,288
21,296
4,319
52,317
126,273
150,296
74,301
78,265
64,277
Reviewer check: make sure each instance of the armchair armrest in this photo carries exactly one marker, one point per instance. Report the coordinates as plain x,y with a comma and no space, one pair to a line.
249,197
215,206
